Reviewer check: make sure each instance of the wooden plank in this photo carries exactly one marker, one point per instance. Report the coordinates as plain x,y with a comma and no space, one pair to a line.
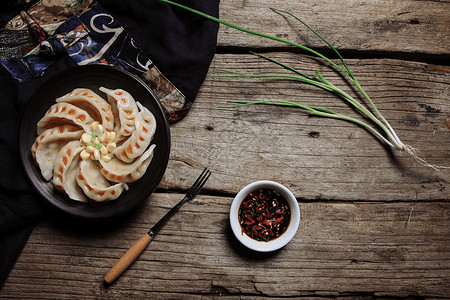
341,249
386,26
374,222
317,158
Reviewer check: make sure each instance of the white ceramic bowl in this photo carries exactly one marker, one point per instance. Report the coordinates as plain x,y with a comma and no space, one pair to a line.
281,241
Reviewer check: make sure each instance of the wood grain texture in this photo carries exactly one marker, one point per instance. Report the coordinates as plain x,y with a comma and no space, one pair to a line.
374,223
317,158
341,249
386,26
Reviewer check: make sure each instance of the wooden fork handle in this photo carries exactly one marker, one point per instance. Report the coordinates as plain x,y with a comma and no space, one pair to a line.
127,258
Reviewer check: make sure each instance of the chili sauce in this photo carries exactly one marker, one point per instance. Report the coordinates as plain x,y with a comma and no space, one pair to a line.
264,215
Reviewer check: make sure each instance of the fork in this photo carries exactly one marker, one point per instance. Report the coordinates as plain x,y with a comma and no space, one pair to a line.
134,251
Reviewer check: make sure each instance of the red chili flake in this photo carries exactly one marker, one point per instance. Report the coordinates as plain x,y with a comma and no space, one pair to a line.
264,215
249,222
267,222
279,210
249,204
261,208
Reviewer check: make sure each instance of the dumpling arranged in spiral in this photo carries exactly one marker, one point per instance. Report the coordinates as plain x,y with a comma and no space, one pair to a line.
93,147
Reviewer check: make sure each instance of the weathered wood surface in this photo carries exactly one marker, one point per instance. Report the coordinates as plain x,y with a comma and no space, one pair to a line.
375,223
319,158
341,249
409,27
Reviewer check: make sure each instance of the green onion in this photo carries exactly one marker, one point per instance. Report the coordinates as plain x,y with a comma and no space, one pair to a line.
385,132
93,135
99,146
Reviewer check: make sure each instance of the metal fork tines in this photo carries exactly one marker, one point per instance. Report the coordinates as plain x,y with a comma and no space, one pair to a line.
190,194
198,184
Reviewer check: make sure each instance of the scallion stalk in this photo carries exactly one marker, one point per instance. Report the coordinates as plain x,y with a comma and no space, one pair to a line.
387,135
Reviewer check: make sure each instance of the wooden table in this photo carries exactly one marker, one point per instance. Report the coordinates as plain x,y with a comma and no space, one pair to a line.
374,222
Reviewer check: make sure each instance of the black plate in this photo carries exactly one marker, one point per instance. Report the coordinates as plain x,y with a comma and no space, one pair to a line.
93,77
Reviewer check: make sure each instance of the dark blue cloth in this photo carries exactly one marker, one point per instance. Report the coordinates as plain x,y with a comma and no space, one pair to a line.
181,44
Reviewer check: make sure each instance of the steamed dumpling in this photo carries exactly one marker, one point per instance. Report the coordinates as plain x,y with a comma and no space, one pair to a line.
126,111
140,139
64,113
66,170
116,170
94,184
97,107
93,147
47,145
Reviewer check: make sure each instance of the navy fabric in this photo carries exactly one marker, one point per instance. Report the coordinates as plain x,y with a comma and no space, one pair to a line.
177,33
181,44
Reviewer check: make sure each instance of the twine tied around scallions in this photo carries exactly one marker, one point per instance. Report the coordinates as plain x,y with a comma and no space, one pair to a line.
389,137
